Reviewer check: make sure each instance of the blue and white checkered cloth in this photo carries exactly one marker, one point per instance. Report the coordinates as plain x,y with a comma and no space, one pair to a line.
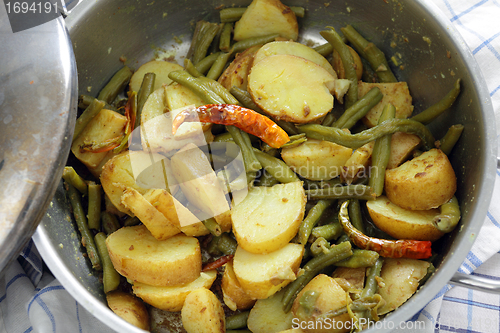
31,300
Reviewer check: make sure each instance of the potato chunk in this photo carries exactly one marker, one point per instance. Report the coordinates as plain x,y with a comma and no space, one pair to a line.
402,145
330,297
267,315
160,227
236,74
262,275
317,160
172,298
425,182
264,17
105,125
291,88
401,223
296,49
137,255
269,217
234,296
401,277
396,93
203,313
129,307
159,67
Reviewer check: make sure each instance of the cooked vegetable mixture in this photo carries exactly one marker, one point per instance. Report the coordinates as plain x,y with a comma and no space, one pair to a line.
231,192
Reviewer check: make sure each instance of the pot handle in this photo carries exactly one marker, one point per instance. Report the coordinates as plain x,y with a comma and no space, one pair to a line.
476,282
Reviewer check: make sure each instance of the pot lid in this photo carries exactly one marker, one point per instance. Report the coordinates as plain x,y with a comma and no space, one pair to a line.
38,100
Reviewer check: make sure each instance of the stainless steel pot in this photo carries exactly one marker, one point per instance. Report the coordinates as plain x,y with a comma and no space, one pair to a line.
431,53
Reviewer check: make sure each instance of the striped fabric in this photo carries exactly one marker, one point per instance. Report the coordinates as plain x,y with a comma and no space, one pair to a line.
31,300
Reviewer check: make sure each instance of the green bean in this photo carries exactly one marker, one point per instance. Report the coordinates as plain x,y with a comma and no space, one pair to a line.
81,221
448,217
117,83
219,89
110,277
147,87
225,37
370,52
359,109
307,303
234,14
451,137
276,167
343,238
245,99
90,112
213,248
314,185
200,89
431,113
430,270
224,137
250,160
371,285
131,221
357,191
355,215
329,232
244,44
360,258
199,31
320,245
202,45
324,49
73,178
312,219
381,154
191,69
237,321
357,140
206,63
347,61
226,244
267,180
218,66
85,100
109,222
212,226
312,268
94,206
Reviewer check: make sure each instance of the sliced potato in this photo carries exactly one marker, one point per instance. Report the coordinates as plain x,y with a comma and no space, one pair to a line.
291,88
402,223
331,297
129,307
262,275
396,93
234,296
316,159
422,183
269,217
172,298
267,315
402,146
401,278
156,127
198,181
105,125
175,212
235,75
356,165
160,227
296,49
160,67
264,17
202,312
138,256
355,276
339,66
178,98
121,172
